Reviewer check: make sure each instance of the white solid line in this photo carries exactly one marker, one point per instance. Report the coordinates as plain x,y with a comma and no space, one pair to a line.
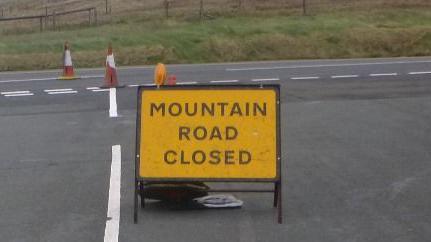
265,80
64,92
100,90
304,77
224,81
48,79
58,90
384,74
394,60
419,72
95,76
325,65
114,200
14,92
186,83
92,88
30,80
345,76
133,85
149,85
19,95
113,103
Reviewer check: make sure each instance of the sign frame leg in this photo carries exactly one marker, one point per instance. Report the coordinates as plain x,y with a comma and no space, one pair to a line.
135,209
276,194
279,203
141,190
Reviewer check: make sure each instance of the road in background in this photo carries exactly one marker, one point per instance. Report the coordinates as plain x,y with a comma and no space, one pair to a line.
355,141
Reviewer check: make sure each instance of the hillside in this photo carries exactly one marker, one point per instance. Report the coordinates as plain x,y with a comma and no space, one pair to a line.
127,7
236,31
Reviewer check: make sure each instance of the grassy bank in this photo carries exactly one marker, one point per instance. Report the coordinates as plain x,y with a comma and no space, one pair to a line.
266,36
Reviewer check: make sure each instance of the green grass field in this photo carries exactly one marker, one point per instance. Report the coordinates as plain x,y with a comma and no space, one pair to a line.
271,35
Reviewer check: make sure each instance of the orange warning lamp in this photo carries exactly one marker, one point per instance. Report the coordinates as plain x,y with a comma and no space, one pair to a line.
160,74
172,80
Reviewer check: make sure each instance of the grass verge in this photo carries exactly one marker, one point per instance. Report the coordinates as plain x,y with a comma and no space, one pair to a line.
270,36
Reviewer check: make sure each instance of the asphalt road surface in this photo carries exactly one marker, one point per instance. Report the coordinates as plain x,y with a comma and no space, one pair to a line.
356,147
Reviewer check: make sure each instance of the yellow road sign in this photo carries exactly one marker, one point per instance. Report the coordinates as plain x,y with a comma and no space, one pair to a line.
208,133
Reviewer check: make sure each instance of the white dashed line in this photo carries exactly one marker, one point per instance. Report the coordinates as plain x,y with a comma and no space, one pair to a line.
186,83
344,76
325,65
312,102
88,77
304,77
420,73
224,81
58,90
30,80
98,89
14,92
113,103
384,74
62,92
114,201
265,80
19,95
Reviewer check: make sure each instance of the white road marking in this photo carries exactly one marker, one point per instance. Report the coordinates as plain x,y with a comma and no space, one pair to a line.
149,85
114,201
14,92
304,77
48,79
133,85
30,80
100,90
63,92
312,102
92,88
325,65
420,73
95,76
384,74
113,103
58,90
186,83
265,80
344,76
399,60
224,81
19,95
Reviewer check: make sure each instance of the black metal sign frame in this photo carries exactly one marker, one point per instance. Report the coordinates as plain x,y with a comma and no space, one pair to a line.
277,181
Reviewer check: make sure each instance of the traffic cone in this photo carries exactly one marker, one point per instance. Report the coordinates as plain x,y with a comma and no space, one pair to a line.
68,73
172,80
111,80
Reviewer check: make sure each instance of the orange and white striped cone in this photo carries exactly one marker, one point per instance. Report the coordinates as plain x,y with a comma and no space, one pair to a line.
111,79
68,72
